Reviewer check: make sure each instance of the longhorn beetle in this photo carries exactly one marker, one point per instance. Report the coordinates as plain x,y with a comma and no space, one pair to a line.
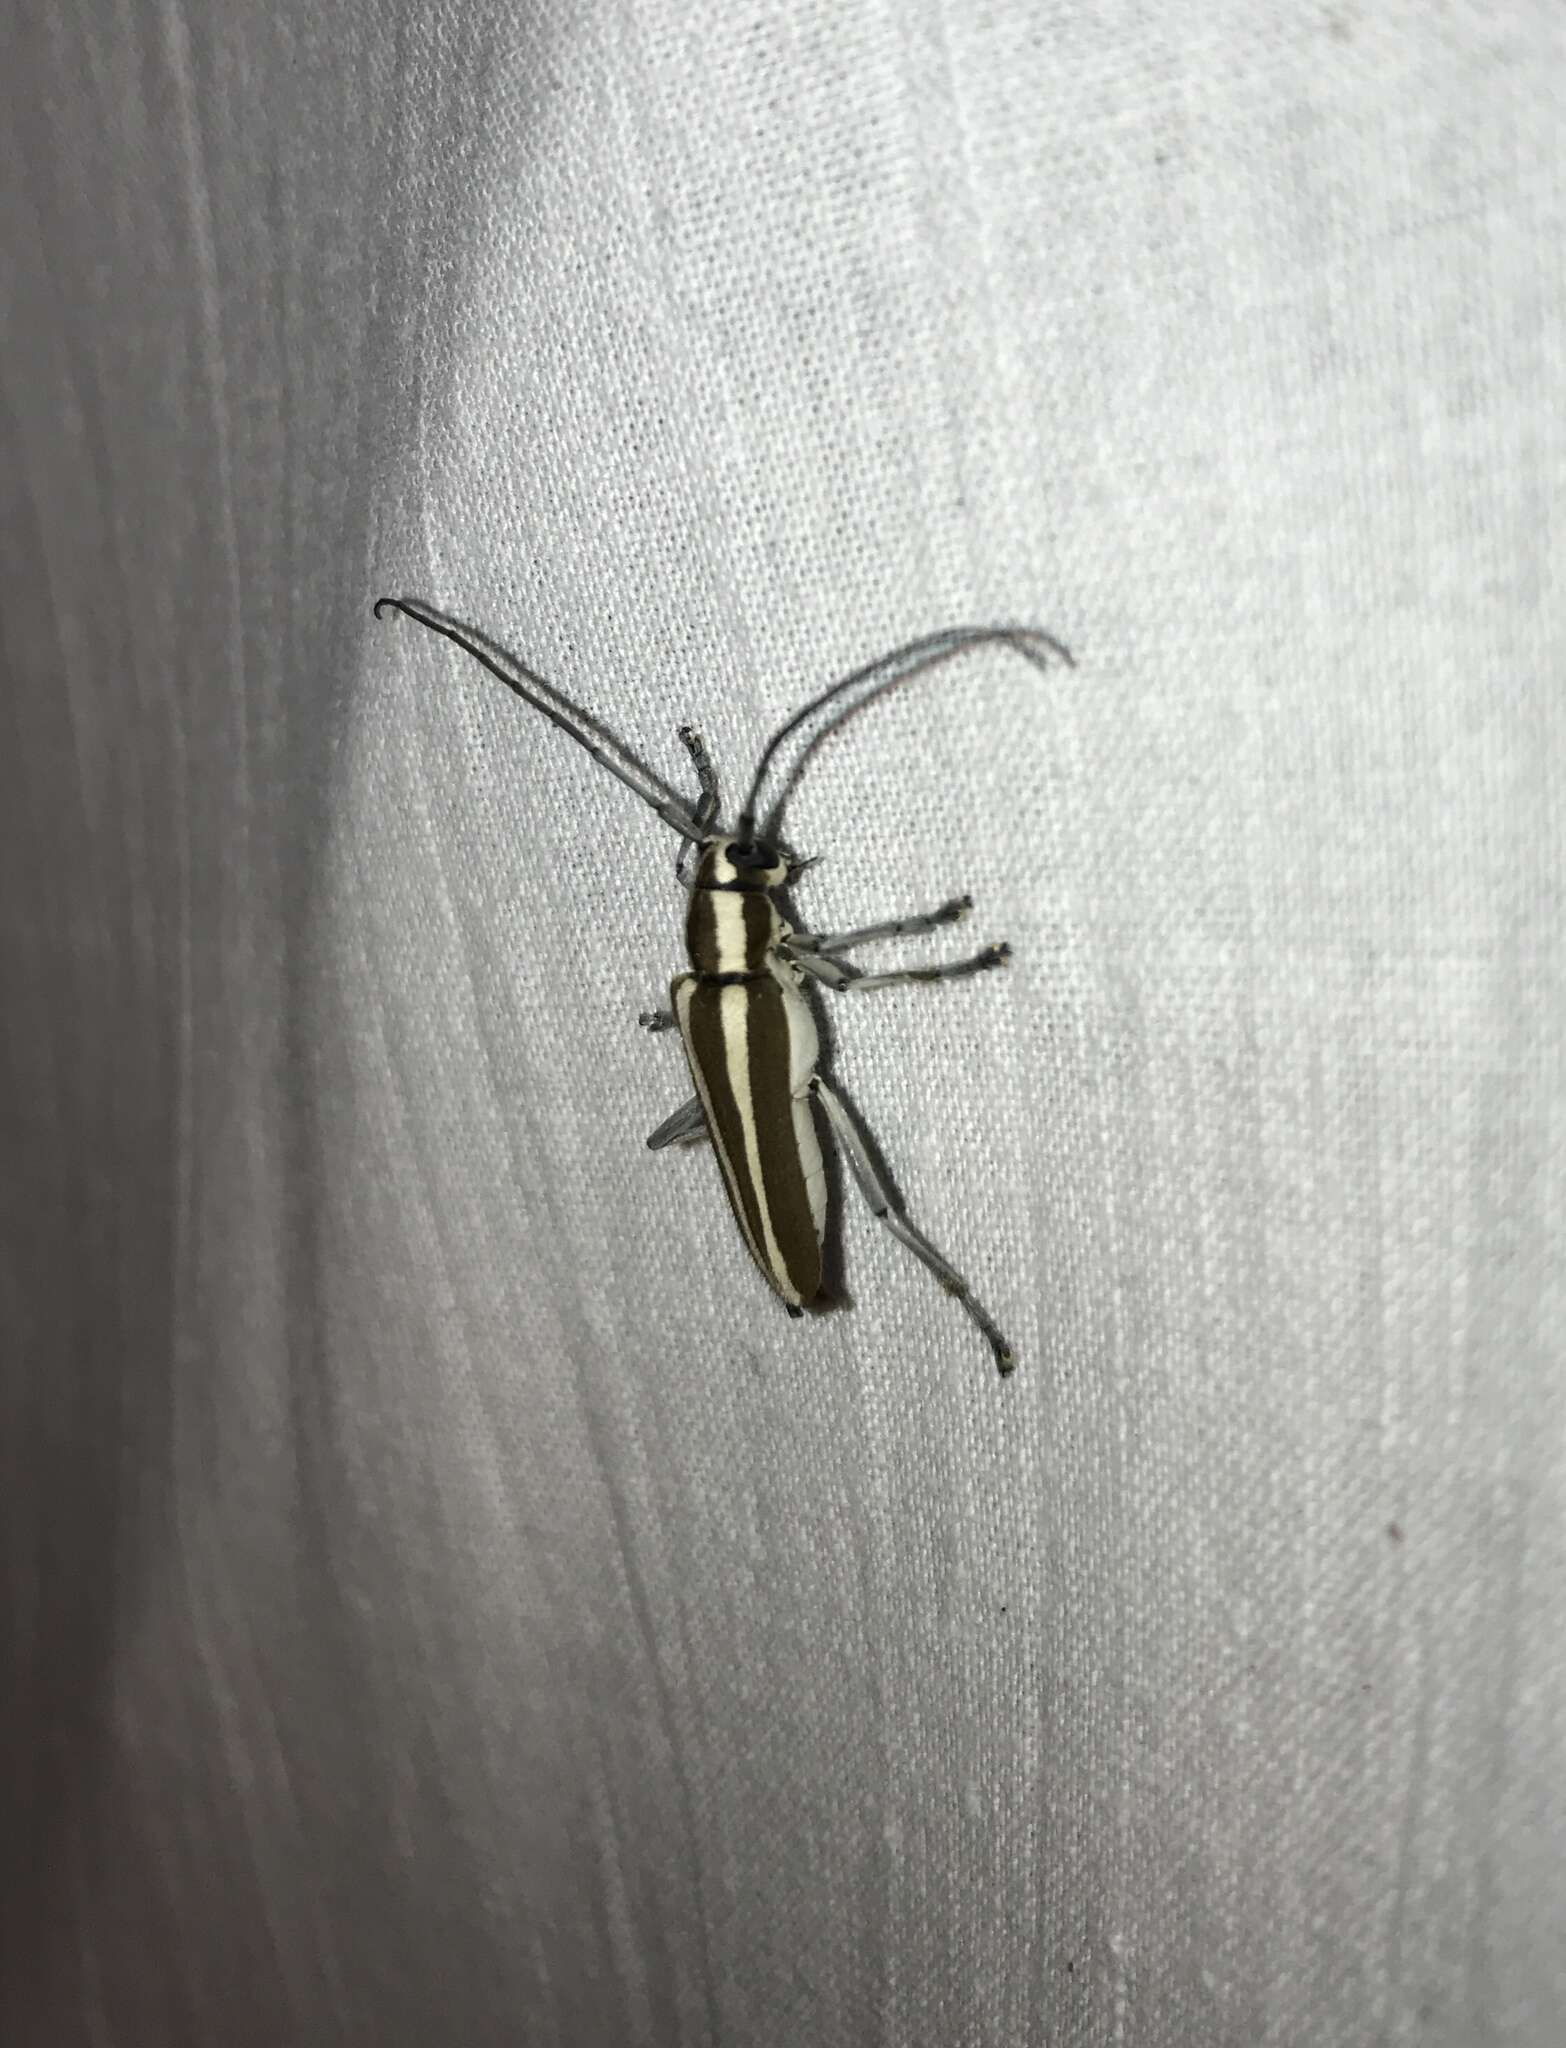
748,1031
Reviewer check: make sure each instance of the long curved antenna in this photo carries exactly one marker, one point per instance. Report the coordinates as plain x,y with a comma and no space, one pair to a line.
888,670
675,814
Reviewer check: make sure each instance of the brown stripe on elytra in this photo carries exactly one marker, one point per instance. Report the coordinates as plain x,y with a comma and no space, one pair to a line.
785,1191
707,1051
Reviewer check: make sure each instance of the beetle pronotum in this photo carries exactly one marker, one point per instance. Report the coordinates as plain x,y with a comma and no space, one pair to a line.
748,1031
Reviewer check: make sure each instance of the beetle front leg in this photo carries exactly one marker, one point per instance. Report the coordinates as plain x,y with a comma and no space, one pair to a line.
707,803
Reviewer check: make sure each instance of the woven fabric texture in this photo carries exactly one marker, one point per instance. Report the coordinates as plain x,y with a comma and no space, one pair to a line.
447,1600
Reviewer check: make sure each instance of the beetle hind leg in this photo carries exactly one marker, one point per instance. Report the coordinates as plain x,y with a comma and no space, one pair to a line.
878,1196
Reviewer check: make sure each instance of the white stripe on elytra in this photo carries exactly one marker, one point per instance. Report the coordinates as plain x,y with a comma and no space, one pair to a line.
734,1018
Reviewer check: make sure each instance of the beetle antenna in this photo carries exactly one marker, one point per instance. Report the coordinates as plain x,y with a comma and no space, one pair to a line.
884,673
657,797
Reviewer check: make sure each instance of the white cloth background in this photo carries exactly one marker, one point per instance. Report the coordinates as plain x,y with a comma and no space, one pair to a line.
448,1600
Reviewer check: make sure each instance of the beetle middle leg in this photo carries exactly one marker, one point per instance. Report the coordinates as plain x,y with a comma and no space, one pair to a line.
891,928
852,981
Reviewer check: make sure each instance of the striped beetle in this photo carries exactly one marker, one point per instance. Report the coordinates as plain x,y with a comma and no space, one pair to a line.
749,1034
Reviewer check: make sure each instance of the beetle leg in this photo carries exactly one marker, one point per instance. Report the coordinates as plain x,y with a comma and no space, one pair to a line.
879,1197
890,928
688,1121
850,980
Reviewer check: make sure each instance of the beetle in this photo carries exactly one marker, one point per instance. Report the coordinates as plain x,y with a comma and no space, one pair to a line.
740,1009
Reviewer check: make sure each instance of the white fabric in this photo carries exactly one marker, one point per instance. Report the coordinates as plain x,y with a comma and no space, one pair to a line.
451,1601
